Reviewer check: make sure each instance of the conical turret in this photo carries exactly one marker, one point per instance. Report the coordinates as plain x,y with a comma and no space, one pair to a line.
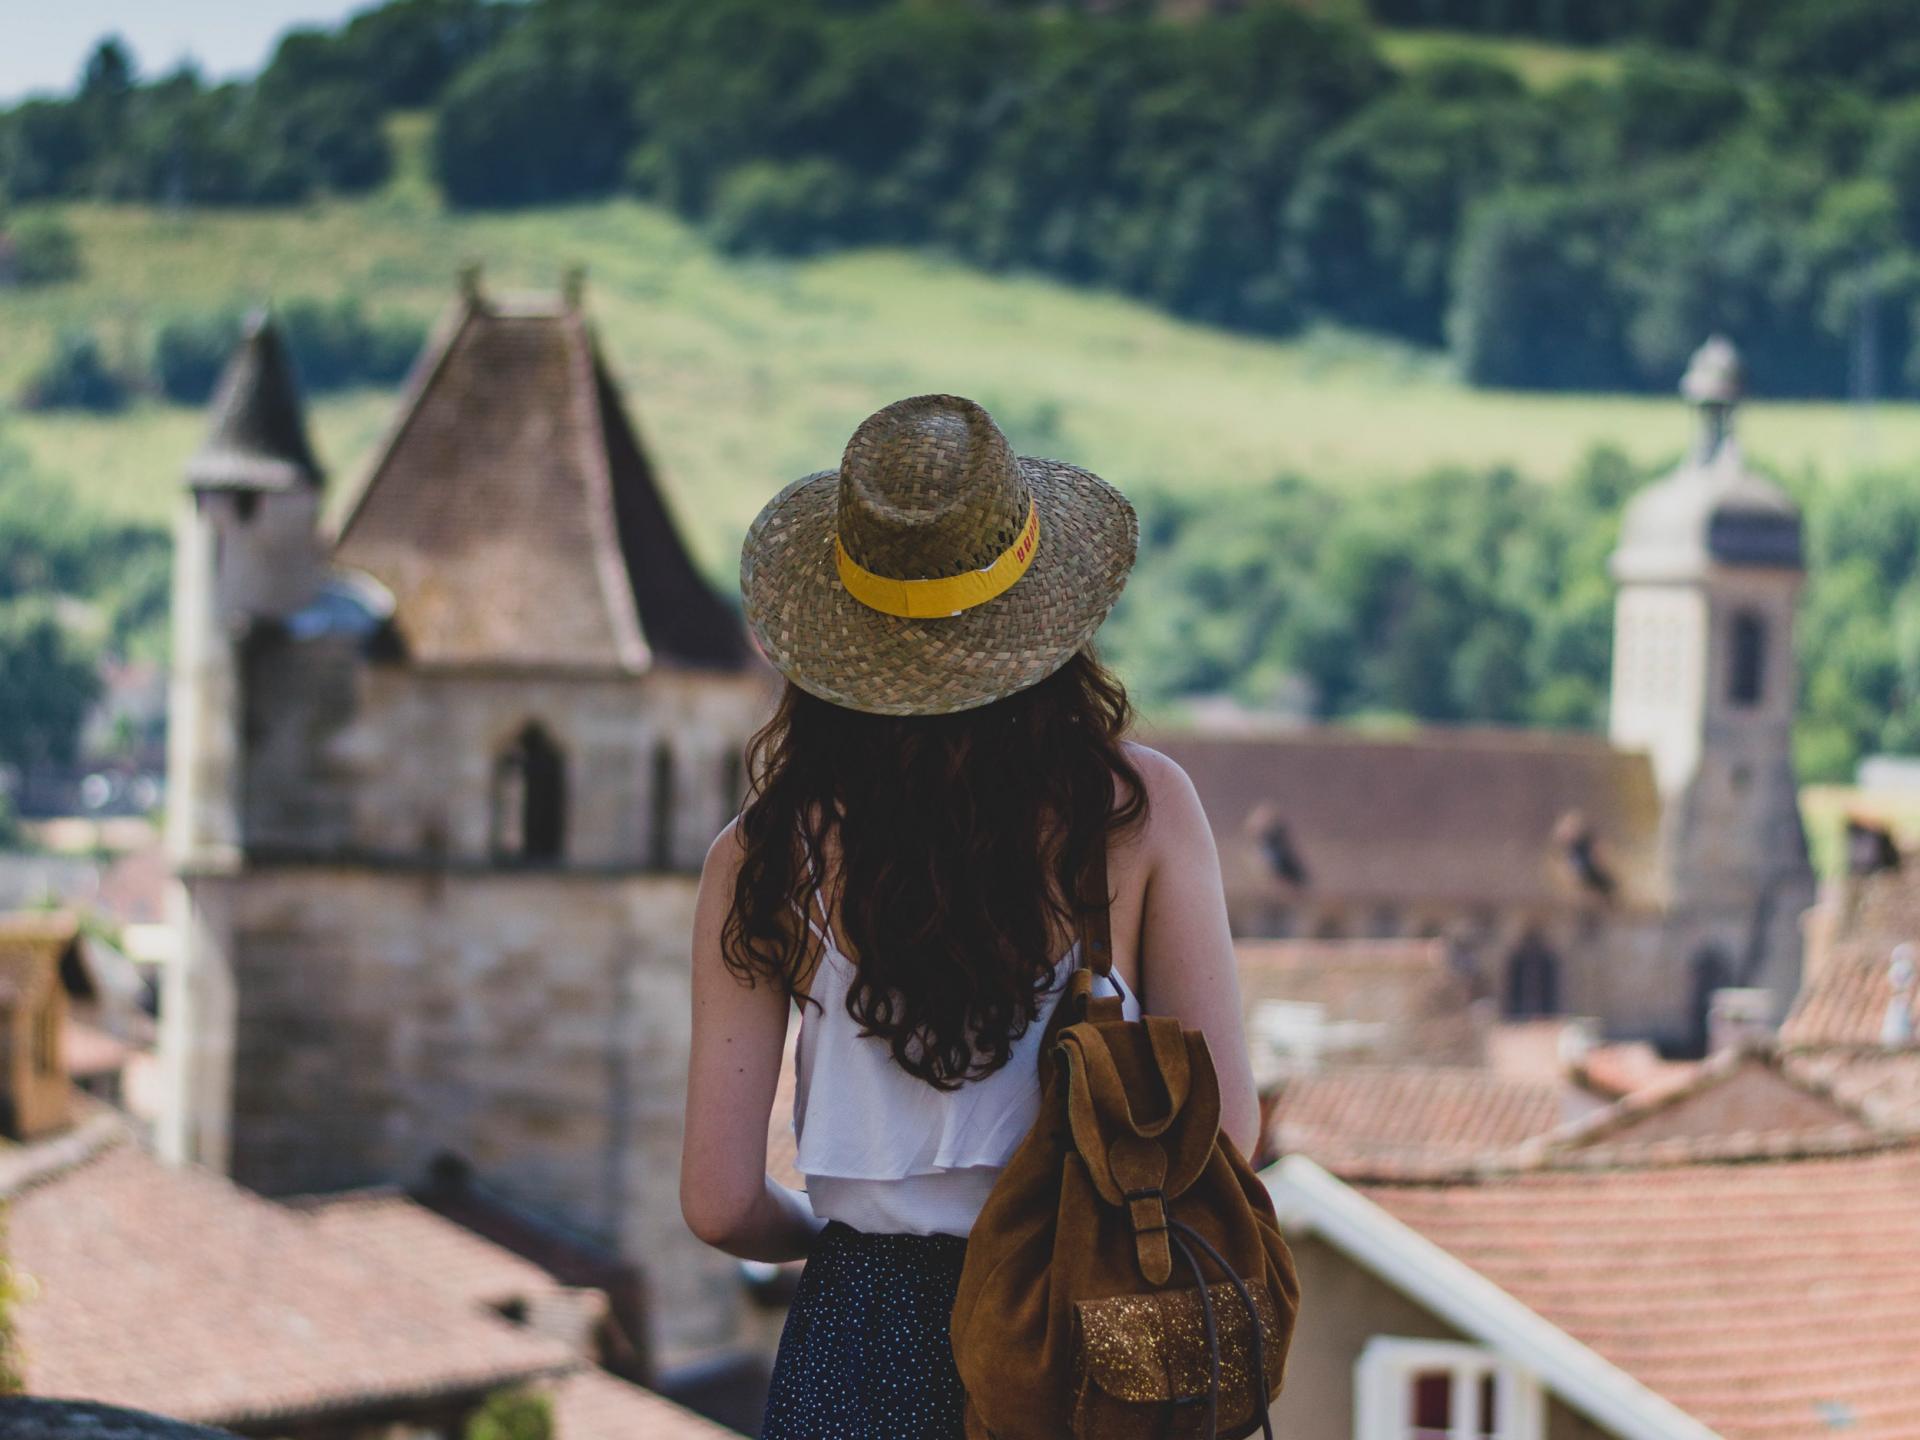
257,439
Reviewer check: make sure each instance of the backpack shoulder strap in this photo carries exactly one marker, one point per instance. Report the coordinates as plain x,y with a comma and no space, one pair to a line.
1096,924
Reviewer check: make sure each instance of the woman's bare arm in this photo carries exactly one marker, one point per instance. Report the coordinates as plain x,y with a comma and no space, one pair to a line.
739,1035
1186,960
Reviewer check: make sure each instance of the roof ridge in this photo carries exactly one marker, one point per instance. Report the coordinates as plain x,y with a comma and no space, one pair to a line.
41,1162
610,563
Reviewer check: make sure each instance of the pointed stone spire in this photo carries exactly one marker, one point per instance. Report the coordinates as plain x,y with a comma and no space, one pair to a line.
257,438
1714,382
1714,510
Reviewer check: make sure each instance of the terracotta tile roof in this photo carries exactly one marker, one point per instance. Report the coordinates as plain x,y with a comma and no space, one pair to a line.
1735,1105
1383,1121
1771,1300
1412,1005
1847,992
1884,1086
1468,816
1627,1067
515,517
177,1292
590,1404
412,1243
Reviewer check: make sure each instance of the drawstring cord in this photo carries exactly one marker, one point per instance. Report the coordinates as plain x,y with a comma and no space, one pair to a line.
1180,1234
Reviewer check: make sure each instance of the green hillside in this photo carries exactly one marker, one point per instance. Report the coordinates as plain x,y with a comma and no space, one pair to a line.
745,373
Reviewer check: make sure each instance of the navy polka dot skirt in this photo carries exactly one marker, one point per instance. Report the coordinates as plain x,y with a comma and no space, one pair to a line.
866,1353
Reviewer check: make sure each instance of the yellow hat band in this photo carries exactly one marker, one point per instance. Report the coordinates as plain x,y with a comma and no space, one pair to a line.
947,594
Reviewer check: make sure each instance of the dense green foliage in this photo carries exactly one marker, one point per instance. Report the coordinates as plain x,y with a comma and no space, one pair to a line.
37,250
58,564
1750,165
1478,597
75,376
512,1415
334,344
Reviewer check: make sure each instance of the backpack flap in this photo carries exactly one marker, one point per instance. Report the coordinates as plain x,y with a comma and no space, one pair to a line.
1143,1369
1115,1075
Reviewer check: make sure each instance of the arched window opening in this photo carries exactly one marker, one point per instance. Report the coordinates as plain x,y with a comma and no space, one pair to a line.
660,800
1747,677
1711,972
1533,980
530,800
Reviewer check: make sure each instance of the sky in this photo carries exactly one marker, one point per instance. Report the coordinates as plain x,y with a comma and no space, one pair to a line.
43,43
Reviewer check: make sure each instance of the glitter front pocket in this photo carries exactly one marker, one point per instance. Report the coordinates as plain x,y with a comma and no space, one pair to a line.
1143,1367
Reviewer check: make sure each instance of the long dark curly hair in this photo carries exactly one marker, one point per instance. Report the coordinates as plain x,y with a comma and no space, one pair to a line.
965,844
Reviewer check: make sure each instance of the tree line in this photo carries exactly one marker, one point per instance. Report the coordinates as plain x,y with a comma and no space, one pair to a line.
1476,597
1750,166
1462,596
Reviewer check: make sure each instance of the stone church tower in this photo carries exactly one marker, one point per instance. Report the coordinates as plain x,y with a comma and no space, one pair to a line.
1705,680
442,782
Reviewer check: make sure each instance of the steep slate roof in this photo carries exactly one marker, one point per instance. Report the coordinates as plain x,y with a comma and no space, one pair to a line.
1771,1300
1473,816
257,437
1421,1005
1397,1121
175,1291
515,517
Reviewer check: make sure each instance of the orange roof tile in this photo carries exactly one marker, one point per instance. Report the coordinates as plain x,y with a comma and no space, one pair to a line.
1421,1005
1394,1121
243,1311
590,1404
1771,1300
409,1241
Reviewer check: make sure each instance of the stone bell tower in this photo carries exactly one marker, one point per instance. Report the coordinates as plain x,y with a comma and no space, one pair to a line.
1705,679
246,549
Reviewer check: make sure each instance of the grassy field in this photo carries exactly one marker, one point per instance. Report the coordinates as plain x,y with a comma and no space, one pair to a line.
744,374
1540,64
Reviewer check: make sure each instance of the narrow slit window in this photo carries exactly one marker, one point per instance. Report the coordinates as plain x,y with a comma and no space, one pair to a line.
1748,678
530,800
661,802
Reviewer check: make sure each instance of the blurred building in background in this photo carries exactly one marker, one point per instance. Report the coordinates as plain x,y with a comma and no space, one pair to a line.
1627,879
441,781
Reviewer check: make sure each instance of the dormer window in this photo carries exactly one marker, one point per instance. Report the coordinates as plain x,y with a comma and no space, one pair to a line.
529,800
1747,661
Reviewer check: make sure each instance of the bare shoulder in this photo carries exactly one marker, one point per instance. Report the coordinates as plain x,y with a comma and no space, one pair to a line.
724,858
1174,813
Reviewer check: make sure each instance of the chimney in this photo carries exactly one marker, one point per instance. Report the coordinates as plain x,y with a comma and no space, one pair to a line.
34,1090
1896,1029
1739,1019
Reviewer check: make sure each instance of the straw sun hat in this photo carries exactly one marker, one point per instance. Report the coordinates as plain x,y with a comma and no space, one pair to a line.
934,570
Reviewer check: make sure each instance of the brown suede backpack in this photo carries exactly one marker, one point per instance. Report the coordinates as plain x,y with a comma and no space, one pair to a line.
1126,1276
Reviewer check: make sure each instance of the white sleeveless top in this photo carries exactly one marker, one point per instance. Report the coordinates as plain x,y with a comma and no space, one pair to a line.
889,1154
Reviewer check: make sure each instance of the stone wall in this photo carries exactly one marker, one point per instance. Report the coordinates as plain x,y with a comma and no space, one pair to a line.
533,1023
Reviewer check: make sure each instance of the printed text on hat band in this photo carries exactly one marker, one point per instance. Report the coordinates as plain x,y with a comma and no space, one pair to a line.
947,594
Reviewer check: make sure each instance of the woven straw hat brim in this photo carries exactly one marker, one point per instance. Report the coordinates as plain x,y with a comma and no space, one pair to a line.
833,646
